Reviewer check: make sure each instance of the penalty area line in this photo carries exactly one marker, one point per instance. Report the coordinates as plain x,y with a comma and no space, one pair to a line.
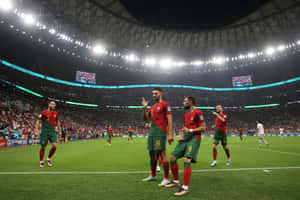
143,172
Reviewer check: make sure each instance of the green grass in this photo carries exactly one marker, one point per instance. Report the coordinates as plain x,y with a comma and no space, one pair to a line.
96,156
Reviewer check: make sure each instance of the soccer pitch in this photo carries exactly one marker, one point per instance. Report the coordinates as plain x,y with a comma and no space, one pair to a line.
93,170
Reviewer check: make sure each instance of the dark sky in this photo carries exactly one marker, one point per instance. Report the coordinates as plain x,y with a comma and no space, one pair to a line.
191,14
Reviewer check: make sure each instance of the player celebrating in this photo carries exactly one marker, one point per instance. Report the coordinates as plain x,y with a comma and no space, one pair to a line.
49,119
261,133
161,116
220,134
129,133
188,146
281,132
241,131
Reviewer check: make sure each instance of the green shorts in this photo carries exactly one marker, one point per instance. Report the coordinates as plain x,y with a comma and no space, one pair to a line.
220,137
156,143
130,135
187,148
109,135
48,136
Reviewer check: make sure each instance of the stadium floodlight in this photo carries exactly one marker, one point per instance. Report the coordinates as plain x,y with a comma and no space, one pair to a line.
6,5
251,55
29,19
131,57
241,57
181,64
298,42
150,61
99,49
52,31
270,51
218,60
166,63
197,63
281,48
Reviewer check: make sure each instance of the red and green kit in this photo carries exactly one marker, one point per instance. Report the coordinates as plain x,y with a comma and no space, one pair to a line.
189,146
159,123
48,133
220,130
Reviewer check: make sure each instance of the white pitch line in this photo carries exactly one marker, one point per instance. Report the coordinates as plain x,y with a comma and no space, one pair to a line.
269,150
144,172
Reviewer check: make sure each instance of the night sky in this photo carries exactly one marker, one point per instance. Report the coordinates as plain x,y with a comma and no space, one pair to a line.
191,14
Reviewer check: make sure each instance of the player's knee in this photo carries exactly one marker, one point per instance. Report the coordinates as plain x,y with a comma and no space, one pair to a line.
172,158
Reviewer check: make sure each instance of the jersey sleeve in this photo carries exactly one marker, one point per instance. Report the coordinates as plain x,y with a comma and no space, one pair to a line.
200,116
168,109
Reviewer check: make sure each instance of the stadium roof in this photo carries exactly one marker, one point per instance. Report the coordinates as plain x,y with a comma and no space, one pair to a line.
110,21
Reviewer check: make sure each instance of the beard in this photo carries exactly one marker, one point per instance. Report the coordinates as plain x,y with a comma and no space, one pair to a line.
187,107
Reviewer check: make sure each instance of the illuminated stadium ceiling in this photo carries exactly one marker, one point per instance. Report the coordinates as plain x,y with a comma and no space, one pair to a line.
109,21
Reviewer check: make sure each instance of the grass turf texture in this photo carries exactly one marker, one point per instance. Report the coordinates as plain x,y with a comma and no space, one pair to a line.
96,156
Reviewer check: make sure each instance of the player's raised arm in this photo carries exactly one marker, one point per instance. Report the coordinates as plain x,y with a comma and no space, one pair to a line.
145,113
219,116
37,127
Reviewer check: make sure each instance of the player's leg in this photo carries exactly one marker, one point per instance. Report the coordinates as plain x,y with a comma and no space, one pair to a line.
165,162
260,141
187,171
241,137
44,142
53,140
159,162
215,153
266,142
227,153
178,153
153,159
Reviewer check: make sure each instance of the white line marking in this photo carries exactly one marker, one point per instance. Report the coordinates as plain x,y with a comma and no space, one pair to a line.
269,150
144,172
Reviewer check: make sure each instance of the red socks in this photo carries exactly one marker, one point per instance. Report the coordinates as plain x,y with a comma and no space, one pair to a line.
153,167
215,154
51,152
159,161
166,169
174,169
187,171
42,152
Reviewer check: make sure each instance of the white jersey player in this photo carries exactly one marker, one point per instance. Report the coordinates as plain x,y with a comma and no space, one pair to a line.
281,132
261,133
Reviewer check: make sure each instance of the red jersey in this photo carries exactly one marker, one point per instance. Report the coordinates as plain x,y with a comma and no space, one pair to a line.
158,113
49,119
222,125
110,130
241,131
193,120
130,130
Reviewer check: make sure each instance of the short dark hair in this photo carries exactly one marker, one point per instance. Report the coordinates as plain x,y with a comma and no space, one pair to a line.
191,99
221,105
50,102
158,89
259,121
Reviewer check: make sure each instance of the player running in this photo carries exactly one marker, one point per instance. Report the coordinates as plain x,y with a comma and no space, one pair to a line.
241,132
281,132
261,133
130,134
49,119
188,145
161,122
220,135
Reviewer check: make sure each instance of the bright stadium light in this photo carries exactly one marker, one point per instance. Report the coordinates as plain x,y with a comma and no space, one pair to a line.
52,31
6,5
298,42
150,61
181,64
281,48
131,57
99,49
218,60
29,19
251,55
166,63
270,51
197,63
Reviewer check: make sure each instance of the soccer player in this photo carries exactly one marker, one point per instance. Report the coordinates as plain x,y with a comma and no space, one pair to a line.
241,131
49,119
188,146
161,123
281,132
63,136
129,133
220,135
261,133
109,134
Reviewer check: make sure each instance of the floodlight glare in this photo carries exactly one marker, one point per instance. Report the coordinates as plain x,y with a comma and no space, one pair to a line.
281,48
298,42
52,31
251,55
218,60
131,58
166,63
181,64
197,63
150,61
99,49
29,19
270,51
6,5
